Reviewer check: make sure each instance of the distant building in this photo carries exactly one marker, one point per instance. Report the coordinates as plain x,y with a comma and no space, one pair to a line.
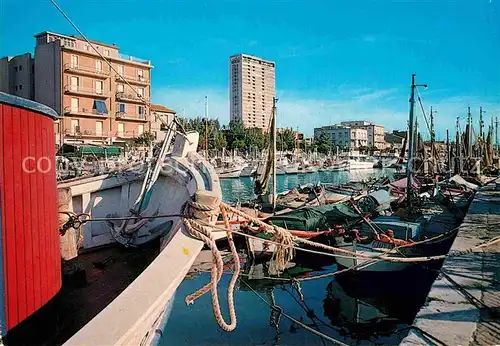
303,142
395,139
161,118
344,136
252,88
96,105
17,76
375,132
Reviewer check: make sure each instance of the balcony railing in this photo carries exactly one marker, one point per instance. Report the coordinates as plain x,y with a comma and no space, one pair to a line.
85,133
133,58
76,89
128,116
112,57
84,111
126,134
131,97
133,79
86,70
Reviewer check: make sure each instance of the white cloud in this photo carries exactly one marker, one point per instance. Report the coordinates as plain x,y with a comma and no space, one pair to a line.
387,107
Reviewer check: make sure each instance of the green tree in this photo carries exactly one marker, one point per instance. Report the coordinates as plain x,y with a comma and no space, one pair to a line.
286,140
144,139
323,143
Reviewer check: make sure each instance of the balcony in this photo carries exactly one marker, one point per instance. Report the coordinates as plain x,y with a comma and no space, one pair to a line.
136,98
131,117
86,71
139,80
134,59
78,90
126,134
84,112
113,57
77,133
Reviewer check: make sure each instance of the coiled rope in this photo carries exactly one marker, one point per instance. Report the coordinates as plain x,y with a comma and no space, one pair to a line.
204,233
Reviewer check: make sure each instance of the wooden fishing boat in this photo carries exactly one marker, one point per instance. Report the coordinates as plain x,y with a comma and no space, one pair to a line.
424,228
393,232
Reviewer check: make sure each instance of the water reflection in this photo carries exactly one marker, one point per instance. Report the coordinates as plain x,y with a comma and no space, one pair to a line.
356,310
241,189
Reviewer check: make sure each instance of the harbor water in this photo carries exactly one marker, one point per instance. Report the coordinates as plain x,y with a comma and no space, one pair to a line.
241,189
353,310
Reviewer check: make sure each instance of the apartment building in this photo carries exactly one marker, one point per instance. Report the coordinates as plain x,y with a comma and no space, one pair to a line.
97,105
17,75
161,118
375,132
344,136
252,88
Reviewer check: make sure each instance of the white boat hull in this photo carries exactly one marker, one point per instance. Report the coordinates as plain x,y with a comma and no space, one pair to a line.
353,165
142,308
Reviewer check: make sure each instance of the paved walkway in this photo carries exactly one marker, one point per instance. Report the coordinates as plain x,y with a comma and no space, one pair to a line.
466,312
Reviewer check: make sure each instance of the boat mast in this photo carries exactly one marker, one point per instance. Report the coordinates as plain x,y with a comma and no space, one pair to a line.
433,135
448,153
458,149
206,127
496,135
411,139
274,153
481,132
469,133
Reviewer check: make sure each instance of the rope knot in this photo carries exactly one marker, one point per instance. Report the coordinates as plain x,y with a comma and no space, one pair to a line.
199,226
284,251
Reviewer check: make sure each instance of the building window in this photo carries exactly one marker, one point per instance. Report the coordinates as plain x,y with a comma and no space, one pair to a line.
16,88
98,87
121,128
87,47
106,52
21,87
121,107
75,126
74,104
140,74
140,112
140,91
15,68
119,88
74,83
140,129
98,128
74,61
100,107
20,67
98,65
120,69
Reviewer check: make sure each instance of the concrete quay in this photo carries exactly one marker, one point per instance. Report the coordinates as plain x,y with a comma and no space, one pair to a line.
463,306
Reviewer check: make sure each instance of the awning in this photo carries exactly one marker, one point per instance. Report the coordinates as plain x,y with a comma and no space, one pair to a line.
99,150
100,107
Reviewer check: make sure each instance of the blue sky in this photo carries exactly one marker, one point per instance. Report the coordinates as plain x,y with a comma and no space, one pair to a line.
336,60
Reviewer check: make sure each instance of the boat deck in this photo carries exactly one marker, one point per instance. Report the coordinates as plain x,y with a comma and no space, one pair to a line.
90,282
462,306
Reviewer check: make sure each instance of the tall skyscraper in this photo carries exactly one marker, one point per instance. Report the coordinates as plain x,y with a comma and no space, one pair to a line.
252,88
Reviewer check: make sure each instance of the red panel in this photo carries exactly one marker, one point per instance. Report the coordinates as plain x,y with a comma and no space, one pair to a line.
19,204
8,226
32,263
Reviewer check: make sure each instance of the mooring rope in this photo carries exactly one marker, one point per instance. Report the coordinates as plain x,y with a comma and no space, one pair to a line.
285,251
306,327
205,233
